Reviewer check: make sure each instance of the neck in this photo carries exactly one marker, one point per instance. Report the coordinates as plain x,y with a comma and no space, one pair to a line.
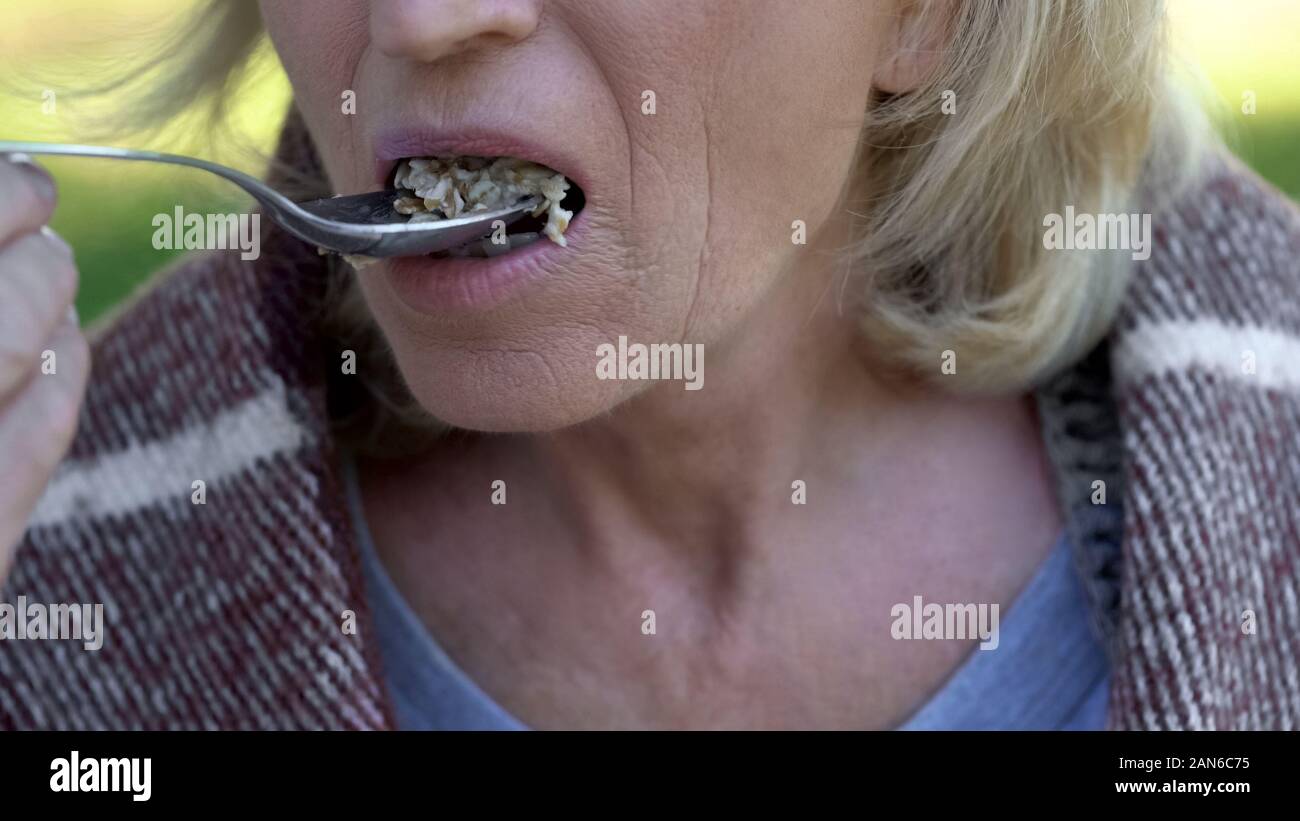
676,459
790,399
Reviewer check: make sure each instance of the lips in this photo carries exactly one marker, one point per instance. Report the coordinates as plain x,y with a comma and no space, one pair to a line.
482,274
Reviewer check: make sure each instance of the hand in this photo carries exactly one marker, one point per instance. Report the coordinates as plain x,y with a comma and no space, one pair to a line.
44,358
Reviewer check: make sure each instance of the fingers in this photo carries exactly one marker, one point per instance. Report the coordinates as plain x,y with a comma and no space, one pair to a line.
38,281
44,358
37,427
27,197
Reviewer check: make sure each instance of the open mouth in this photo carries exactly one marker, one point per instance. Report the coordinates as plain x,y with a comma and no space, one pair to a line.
447,187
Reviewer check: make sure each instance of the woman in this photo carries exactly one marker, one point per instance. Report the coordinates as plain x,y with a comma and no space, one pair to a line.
917,396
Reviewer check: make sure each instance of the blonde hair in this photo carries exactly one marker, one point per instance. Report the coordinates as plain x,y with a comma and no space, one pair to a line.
1034,106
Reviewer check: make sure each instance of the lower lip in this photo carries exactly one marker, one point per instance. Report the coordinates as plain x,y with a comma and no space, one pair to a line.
460,284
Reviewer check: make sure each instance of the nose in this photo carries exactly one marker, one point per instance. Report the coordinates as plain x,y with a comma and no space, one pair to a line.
429,30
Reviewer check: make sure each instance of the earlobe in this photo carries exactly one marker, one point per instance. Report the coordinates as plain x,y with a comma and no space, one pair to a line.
914,37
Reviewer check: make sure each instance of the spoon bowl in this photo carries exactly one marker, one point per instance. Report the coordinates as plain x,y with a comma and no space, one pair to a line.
359,224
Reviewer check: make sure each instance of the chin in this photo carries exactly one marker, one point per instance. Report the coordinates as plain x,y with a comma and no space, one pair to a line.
514,391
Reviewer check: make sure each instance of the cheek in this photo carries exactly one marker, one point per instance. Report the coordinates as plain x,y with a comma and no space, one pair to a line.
312,47
320,53
757,125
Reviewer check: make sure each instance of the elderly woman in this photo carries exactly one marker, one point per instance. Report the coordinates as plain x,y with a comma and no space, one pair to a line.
997,428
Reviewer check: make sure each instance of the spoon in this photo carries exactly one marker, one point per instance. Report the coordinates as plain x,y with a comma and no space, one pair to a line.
361,224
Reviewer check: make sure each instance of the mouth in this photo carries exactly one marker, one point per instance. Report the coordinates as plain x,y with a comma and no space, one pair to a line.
449,186
482,275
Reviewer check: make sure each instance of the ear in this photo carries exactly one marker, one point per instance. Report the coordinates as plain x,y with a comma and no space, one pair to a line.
914,34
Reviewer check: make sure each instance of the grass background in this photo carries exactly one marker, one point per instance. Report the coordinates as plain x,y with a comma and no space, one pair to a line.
106,207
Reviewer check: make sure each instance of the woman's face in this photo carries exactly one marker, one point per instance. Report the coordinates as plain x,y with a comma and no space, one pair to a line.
699,133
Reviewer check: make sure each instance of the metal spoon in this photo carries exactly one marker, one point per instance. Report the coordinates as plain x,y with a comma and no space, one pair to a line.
363,224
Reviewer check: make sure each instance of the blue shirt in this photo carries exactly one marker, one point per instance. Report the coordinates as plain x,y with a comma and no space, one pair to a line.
1048,671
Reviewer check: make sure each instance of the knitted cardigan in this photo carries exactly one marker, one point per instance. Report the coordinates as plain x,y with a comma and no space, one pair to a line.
230,614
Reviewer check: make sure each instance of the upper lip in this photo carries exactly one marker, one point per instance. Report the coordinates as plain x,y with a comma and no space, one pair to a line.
395,144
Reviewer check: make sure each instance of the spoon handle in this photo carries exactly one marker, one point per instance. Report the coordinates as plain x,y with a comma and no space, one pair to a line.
264,194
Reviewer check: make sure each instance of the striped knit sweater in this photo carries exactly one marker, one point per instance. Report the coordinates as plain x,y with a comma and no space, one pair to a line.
229,614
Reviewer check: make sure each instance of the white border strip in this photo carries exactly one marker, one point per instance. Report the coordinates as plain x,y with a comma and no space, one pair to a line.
146,474
1213,346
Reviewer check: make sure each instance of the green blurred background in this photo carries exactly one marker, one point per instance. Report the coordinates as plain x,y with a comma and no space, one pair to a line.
106,207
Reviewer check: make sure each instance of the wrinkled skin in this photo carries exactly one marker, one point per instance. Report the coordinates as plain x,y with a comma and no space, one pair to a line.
689,209
643,496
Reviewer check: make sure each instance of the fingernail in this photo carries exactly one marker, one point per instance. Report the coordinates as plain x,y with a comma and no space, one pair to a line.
72,316
39,176
50,234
